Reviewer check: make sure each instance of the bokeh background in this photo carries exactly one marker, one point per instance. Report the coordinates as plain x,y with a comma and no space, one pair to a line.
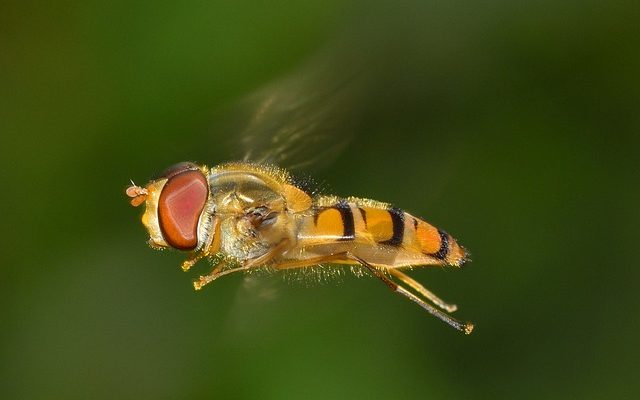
513,125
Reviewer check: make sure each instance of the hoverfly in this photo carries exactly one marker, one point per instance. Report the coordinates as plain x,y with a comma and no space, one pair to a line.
246,216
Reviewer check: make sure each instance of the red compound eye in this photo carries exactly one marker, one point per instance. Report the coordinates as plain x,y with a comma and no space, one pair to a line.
180,205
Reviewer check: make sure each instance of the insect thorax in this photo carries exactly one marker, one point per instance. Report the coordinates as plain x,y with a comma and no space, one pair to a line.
252,210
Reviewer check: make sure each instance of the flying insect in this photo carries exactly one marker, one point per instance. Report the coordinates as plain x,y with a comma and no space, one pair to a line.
251,215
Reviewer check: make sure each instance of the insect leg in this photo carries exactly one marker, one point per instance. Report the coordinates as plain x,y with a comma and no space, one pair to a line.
247,265
336,258
349,258
422,290
190,262
268,256
467,327
210,277
211,247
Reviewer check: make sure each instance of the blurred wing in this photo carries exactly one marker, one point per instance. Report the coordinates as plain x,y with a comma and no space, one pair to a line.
303,120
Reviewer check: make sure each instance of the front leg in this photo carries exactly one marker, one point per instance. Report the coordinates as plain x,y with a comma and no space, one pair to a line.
204,280
192,260
257,262
212,246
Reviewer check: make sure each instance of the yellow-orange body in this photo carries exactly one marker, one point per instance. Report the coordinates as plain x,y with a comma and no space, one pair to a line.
248,216
376,232
382,235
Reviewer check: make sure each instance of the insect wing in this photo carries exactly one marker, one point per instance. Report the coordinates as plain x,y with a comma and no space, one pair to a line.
303,120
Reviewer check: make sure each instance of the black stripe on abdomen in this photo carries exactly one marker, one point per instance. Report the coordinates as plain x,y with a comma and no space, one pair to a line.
397,219
349,228
442,252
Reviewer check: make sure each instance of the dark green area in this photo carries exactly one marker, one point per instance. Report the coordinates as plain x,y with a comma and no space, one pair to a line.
515,126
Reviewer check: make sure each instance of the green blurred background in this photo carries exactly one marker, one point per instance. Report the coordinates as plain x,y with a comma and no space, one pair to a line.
513,125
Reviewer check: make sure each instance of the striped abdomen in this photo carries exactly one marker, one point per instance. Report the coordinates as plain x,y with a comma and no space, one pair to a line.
381,234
